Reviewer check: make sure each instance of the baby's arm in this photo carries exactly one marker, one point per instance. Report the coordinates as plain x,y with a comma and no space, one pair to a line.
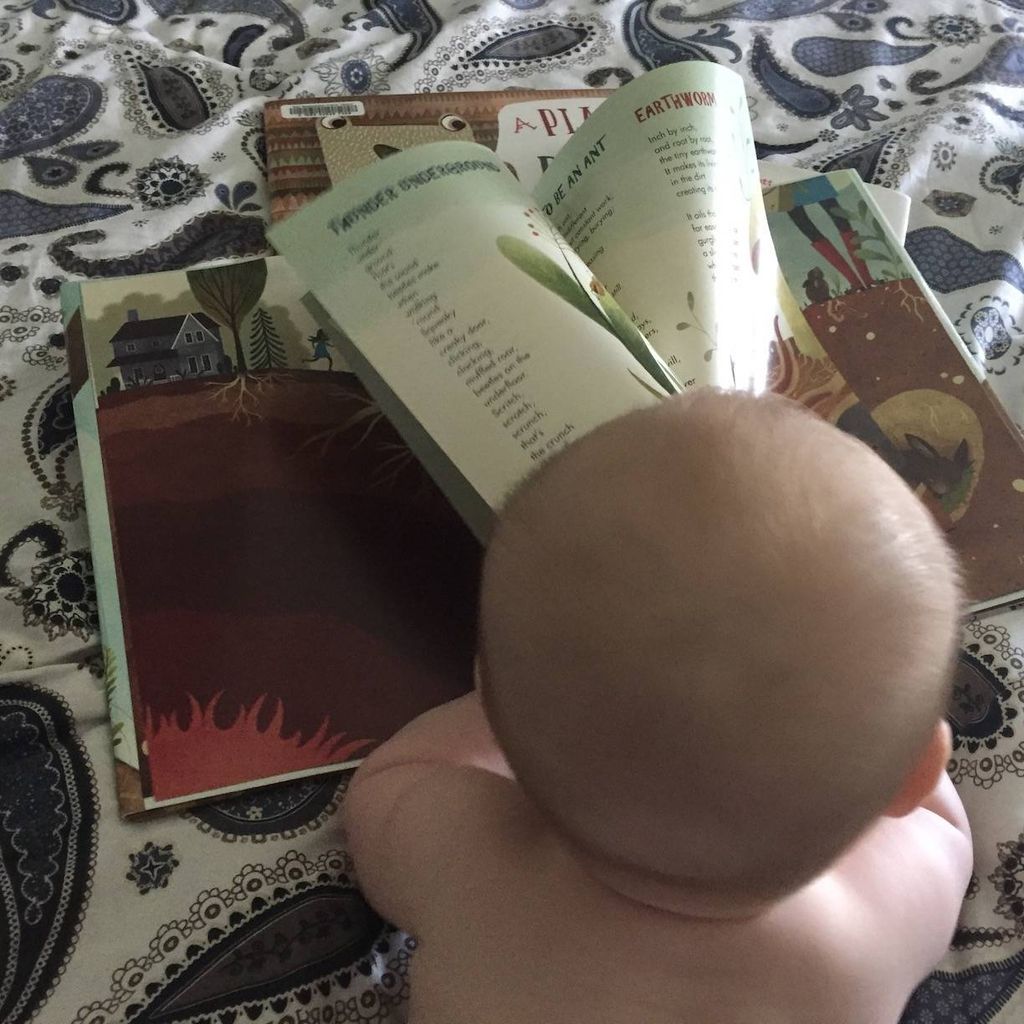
399,805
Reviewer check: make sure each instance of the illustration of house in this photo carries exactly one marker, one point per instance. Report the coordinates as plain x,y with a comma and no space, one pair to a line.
166,348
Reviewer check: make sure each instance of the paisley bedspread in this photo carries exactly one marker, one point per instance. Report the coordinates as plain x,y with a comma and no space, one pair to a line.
130,141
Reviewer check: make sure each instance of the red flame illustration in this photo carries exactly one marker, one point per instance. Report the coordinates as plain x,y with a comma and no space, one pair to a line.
204,755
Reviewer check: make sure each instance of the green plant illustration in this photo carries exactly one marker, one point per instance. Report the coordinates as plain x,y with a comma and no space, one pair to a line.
835,286
594,302
874,246
685,325
109,689
266,350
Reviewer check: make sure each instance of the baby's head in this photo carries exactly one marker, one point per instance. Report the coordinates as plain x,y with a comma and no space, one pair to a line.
716,640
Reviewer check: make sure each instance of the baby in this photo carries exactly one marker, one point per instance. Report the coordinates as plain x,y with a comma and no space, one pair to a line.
701,781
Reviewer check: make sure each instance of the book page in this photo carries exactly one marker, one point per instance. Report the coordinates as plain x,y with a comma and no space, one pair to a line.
453,285
864,344
532,132
658,191
215,414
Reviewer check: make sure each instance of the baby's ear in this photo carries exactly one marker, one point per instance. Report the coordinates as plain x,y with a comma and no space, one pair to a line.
924,773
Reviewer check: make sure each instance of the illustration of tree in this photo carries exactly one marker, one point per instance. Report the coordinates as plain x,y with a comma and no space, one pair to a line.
228,294
292,337
266,349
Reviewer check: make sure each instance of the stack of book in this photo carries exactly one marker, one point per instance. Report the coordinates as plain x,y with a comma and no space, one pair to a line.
291,463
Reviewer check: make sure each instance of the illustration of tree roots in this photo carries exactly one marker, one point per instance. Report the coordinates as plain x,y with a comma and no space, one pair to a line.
243,392
911,303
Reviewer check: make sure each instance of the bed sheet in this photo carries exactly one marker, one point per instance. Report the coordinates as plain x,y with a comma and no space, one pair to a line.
130,141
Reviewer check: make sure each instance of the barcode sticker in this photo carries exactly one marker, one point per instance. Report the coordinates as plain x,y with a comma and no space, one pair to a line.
351,109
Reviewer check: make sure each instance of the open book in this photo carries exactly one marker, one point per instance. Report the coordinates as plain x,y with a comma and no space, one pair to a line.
494,325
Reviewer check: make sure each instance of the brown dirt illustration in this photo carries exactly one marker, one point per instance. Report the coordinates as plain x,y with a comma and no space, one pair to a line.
275,578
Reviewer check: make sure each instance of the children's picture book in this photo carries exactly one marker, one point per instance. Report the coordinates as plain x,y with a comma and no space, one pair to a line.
281,587
493,324
319,141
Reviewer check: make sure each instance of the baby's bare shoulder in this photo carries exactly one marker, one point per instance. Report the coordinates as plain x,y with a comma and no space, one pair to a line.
900,889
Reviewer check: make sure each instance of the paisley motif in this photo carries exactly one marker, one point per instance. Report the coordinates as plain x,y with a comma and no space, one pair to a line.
277,12
55,589
1003,65
869,159
949,204
209,236
96,180
254,145
284,811
239,40
982,710
48,819
506,49
850,22
95,149
49,442
985,709
166,99
602,78
180,104
51,171
973,995
949,262
23,215
49,111
763,149
56,423
113,12
1004,175
890,147
759,10
652,47
531,43
416,18
834,57
798,97
279,936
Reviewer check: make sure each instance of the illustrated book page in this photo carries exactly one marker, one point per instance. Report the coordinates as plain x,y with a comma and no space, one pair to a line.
281,586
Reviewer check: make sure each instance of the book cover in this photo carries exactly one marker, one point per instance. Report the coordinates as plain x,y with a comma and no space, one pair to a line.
870,349
525,127
281,586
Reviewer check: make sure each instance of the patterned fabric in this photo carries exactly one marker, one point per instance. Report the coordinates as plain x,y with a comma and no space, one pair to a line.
130,141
